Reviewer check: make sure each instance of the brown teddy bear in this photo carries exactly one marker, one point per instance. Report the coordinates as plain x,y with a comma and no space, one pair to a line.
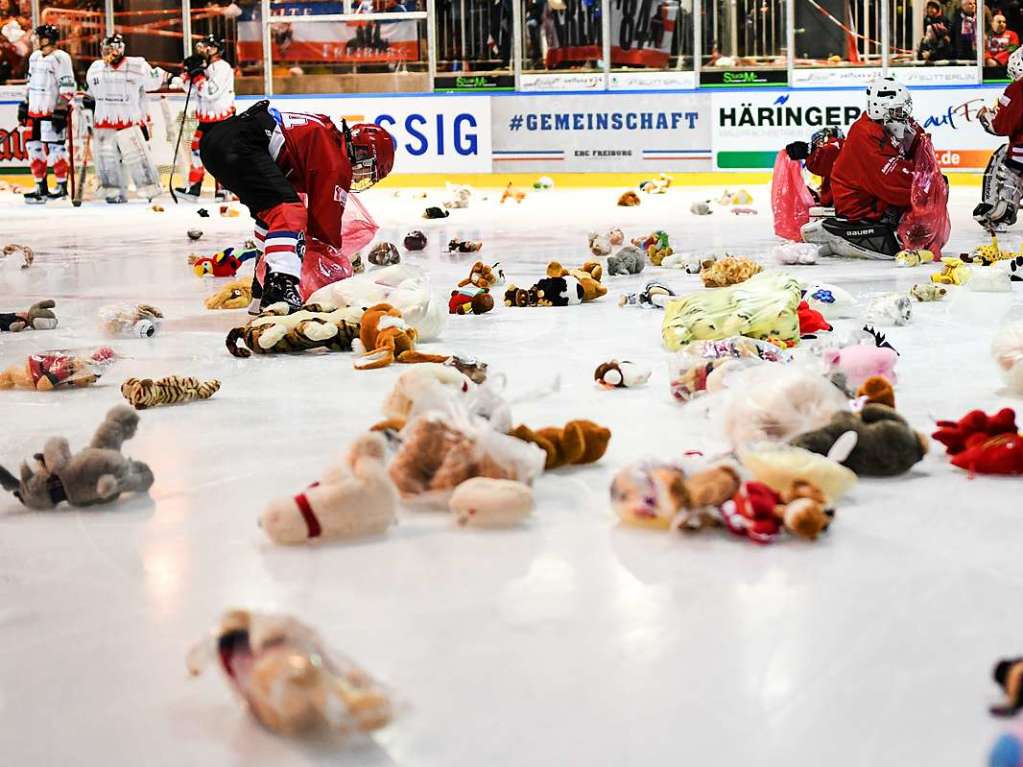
480,276
729,271
561,287
384,337
578,442
628,199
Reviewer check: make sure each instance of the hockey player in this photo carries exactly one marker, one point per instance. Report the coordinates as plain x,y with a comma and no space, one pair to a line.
871,178
1003,178
118,84
51,86
820,155
267,158
212,81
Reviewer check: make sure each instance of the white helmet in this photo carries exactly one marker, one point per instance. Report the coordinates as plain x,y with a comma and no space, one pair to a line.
1015,66
889,101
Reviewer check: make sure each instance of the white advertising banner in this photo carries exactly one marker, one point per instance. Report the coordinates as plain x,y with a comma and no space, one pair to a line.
601,133
847,76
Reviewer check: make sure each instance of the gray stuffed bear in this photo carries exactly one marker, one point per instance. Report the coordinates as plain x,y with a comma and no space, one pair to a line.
97,474
628,260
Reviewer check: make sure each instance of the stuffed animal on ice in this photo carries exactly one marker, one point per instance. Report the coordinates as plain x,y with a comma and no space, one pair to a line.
729,270
578,442
288,679
353,499
913,257
512,193
928,291
234,295
741,197
621,375
46,371
459,196
628,199
889,309
1007,350
136,321
38,317
314,326
598,244
143,393
983,444
762,514
384,254
385,337
224,263
655,245
480,276
470,300
659,185
795,254
764,307
561,287
456,245
954,272
833,302
422,389
779,465
628,260
491,503
990,253
858,362
690,263
878,441
414,240
97,474
27,254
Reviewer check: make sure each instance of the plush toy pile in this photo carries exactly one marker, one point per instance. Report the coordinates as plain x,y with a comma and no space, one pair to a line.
561,287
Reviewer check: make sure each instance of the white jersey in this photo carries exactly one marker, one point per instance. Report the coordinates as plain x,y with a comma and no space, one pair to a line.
49,78
120,90
215,93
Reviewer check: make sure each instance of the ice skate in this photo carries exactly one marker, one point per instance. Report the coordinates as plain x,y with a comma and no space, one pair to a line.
191,193
281,288
39,196
59,192
257,297
117,199
853,239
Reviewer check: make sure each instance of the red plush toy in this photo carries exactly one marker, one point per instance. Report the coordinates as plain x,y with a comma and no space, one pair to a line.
751,513
983,444
810,320
470,301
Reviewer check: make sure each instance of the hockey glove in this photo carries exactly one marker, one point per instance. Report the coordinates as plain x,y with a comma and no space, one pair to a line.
798,150
23,113
59,117
88,102
194,66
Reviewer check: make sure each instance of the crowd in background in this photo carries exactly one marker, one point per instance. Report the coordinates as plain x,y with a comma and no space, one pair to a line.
951,31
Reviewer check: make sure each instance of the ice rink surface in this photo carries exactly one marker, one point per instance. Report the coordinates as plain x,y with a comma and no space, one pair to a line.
572,641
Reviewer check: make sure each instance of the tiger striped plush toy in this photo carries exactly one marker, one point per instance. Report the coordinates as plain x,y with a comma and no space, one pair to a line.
145,392
313,326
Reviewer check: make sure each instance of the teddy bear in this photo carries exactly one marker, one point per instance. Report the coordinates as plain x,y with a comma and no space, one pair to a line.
470,301
224,263
353,499
57,369
234,295
598,244
628,260
288,679
759,513
885,445
480,276
628,199
384,337
729,270
37,317
145,392
96,474
561,287
487,502
314,326
384,254
578,442
621,375
138,321
414,240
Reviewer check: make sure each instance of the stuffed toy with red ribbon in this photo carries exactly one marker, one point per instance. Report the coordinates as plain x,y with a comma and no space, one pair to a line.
983,444
351,500
810,320
470,300
762,515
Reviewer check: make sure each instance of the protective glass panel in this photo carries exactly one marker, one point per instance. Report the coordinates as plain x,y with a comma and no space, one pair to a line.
743,36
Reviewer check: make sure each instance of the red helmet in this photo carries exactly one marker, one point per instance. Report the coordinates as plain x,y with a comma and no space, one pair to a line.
377,141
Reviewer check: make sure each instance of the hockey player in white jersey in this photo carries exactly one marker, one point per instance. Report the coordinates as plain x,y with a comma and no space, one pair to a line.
118,85
212,81
43,113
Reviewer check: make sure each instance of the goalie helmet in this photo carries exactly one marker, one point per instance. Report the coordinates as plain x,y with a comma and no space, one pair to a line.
113,46
1015,66
210,41
889,101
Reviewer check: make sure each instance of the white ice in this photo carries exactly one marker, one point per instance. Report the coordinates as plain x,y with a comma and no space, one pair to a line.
573,641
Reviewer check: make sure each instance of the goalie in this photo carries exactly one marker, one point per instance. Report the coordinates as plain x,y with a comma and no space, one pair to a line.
1003,178
117,85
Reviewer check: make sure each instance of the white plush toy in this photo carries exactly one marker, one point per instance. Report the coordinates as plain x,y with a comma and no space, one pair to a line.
459,196
833,302
795,253
889,309
599,244
354,499
621,375
485,502
1007,349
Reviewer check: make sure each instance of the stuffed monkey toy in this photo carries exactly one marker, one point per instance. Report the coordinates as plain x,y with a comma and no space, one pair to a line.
578,442
37,317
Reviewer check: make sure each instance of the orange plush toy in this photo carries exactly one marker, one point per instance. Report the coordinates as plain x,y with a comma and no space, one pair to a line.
384,337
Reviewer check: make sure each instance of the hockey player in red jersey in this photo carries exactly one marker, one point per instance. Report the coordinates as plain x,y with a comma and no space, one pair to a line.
267,158
1003,178
820,155
871,178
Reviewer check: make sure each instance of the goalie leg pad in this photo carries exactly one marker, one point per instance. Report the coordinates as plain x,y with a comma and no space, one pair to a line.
36,159
108,163
1001,191
138,162
854,239
59,158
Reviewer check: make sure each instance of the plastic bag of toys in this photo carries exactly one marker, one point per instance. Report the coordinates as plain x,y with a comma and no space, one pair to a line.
289,680
58,369
702,365
926,225
130,320
790,199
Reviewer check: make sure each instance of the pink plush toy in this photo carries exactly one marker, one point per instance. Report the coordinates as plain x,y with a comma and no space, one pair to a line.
861,361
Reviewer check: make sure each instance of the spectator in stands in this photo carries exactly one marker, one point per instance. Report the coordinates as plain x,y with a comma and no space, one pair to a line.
1000,43
15,40
964,32
936,44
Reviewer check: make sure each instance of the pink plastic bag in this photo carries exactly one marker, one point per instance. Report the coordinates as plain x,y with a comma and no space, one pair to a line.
790,199
926,224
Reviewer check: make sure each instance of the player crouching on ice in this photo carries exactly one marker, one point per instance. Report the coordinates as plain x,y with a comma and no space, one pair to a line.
116,86
872,178
1003,178
267,158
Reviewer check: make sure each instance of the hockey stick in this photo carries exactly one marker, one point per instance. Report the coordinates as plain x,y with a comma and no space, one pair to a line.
177,146
69,130
76,196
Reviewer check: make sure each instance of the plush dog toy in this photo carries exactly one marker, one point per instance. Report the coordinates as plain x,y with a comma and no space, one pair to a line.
486,502
384,337
884,444
354,499
138,321
37,317
578,442
414,240
234,295
384,254
94,475
314,326
628,199
628,260
561,287
145,393
621,375
729,270
224,263
288,679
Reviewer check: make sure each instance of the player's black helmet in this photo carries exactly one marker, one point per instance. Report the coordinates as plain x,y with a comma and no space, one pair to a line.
48,32
212,41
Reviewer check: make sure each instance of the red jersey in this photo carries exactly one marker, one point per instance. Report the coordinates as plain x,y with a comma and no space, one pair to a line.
821,162
1008,120
311,152
999,47
872,172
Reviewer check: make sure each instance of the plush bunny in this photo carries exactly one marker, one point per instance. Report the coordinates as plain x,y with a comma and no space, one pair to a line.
97,474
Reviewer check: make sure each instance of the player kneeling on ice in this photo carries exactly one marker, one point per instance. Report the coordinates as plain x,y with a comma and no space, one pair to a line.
43,113
872,178
1003,178
117,85
267,158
